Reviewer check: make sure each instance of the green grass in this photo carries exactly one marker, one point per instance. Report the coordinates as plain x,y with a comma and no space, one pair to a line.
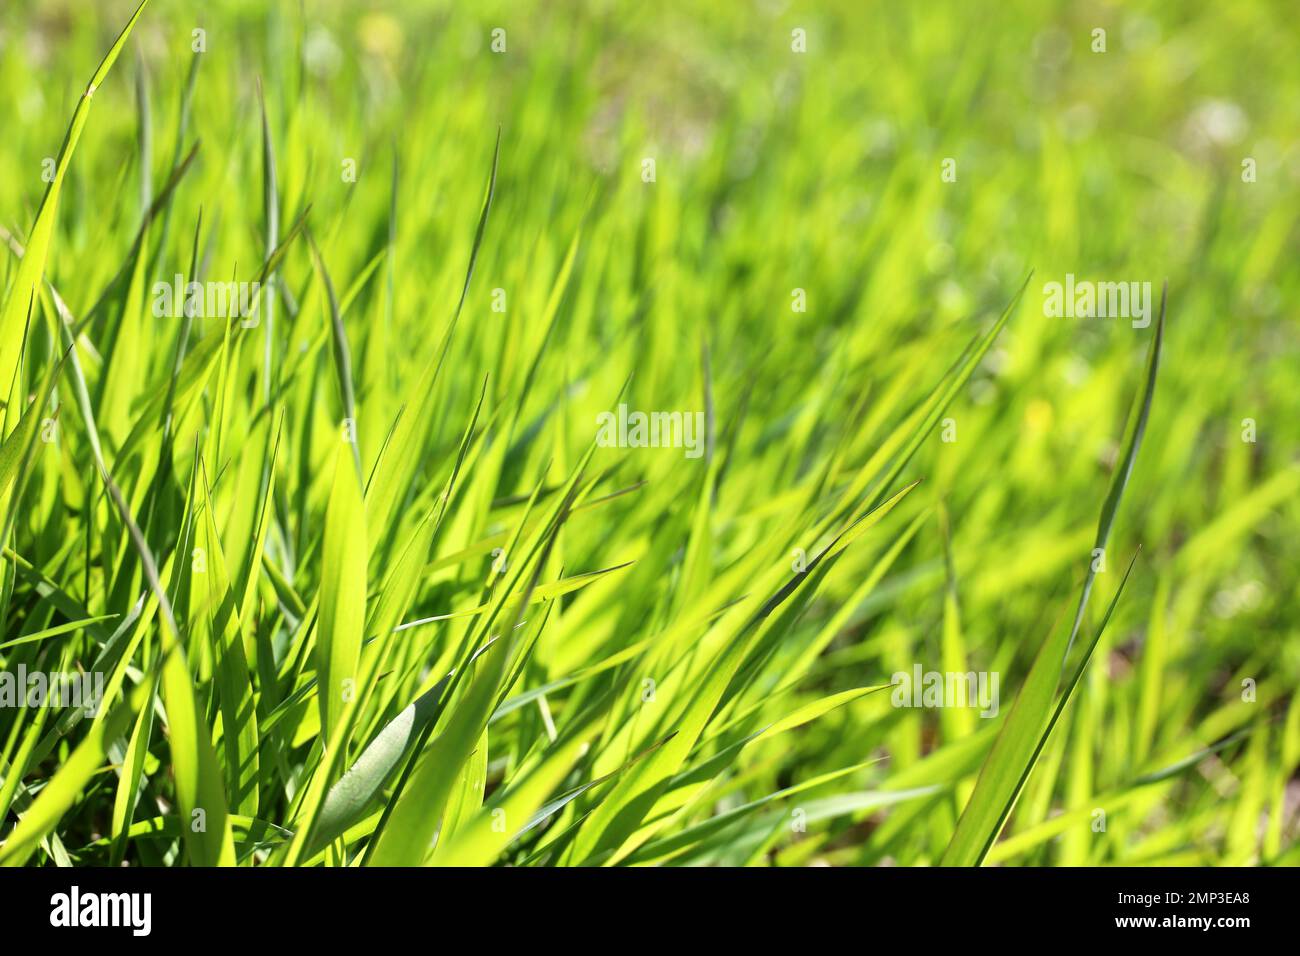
362,585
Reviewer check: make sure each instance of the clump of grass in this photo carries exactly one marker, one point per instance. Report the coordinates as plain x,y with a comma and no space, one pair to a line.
361,584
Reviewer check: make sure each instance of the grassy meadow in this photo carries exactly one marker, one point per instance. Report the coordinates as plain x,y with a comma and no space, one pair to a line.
370,564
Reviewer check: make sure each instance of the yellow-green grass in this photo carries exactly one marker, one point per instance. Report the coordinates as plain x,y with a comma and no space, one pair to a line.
476,635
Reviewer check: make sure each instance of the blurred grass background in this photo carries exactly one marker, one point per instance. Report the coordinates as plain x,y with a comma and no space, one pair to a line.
819,171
